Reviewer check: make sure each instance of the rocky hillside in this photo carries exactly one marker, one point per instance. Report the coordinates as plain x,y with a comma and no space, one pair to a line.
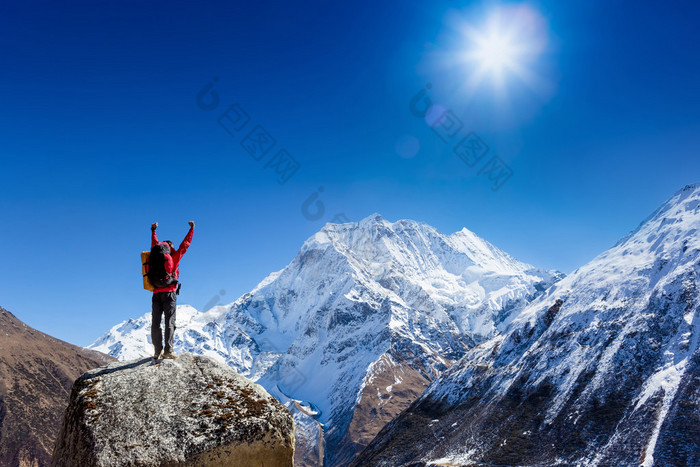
357,325
36,375
189,411
603,369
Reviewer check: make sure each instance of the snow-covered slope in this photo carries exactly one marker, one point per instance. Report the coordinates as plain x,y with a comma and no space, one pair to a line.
603,369
355,294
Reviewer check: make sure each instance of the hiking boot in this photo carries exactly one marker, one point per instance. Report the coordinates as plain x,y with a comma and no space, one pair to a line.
158,354
170,355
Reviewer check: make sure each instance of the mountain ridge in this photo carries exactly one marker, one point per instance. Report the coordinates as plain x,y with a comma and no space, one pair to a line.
599,370
355,294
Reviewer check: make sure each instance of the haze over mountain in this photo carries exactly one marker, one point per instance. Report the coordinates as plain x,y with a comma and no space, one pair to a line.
36,376
358,324
602,369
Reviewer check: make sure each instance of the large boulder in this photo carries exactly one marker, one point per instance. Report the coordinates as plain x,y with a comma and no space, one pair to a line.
191,411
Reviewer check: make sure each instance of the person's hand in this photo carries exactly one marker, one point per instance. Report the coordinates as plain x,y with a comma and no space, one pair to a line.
191,224
154,226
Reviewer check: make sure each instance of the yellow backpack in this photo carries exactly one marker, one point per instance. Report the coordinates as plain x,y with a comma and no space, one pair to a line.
144,270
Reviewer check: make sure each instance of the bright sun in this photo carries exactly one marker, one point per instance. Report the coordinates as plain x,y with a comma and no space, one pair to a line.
504,46
496,52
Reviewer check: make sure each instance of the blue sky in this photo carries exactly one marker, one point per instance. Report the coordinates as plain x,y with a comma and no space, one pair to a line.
102,135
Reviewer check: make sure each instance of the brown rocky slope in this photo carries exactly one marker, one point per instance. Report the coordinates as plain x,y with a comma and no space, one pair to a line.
36,375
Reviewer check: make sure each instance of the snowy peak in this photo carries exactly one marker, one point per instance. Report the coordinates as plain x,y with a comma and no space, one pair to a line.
372,219
676,216
682,204
481,252
406,261
662,247
375,239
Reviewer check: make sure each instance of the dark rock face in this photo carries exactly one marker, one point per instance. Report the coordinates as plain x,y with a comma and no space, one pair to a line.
36,375
189,411
552,312
679,441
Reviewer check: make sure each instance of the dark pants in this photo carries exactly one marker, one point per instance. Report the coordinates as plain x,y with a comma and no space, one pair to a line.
163,303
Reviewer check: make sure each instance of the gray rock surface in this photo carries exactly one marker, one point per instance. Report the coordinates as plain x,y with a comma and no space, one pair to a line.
191,411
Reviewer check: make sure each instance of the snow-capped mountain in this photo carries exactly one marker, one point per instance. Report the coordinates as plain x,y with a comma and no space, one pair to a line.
603,369
358,324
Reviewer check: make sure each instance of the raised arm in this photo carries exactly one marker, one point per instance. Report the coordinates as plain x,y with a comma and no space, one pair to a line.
154,238
186,242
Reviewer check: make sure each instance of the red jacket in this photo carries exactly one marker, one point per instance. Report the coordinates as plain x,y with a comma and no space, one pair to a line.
173,265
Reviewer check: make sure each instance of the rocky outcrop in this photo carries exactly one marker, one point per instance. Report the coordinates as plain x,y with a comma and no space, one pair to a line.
36,375
191,411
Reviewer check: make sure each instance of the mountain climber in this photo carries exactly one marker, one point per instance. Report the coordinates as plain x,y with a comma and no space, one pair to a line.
165,298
